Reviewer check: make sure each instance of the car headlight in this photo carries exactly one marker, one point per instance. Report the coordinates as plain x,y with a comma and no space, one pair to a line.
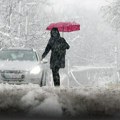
35,70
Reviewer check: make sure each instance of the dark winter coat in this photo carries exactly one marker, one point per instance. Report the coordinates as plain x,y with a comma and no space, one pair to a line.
58,48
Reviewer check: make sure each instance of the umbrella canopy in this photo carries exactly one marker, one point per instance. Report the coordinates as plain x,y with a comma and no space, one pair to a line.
65,26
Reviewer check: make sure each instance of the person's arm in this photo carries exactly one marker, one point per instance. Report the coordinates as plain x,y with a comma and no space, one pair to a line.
66,45
47,49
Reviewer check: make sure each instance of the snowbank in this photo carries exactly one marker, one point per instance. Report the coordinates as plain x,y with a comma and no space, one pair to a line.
58,102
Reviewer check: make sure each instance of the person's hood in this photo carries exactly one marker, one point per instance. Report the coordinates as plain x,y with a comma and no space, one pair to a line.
56,29
18,65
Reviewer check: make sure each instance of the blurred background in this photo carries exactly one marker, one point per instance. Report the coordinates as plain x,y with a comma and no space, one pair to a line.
23,24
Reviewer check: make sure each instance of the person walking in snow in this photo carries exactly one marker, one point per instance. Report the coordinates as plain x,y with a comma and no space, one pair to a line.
58,46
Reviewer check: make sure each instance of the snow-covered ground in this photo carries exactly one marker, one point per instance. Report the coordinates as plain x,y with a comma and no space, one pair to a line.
97,94
59,102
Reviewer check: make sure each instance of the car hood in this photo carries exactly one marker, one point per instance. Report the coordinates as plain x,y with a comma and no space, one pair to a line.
18,65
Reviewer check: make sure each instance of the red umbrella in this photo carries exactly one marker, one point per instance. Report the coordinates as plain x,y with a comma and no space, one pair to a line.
65,26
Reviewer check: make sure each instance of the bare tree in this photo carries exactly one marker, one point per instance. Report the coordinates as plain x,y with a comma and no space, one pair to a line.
111,13
20,21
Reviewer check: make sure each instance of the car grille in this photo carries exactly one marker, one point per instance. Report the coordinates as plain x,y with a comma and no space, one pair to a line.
13,74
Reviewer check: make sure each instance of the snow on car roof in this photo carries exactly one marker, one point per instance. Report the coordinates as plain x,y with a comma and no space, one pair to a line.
14,48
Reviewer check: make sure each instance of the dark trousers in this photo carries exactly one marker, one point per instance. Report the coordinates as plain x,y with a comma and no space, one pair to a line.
56,76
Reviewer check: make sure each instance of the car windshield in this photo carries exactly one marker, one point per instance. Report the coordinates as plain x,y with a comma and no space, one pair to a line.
18,55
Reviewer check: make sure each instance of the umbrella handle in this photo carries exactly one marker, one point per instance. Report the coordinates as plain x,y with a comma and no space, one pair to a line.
63,31
62,34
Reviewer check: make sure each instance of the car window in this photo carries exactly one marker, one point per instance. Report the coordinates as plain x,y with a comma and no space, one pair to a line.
18,55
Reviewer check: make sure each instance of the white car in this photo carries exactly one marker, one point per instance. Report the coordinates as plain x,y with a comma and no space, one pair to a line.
20,66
